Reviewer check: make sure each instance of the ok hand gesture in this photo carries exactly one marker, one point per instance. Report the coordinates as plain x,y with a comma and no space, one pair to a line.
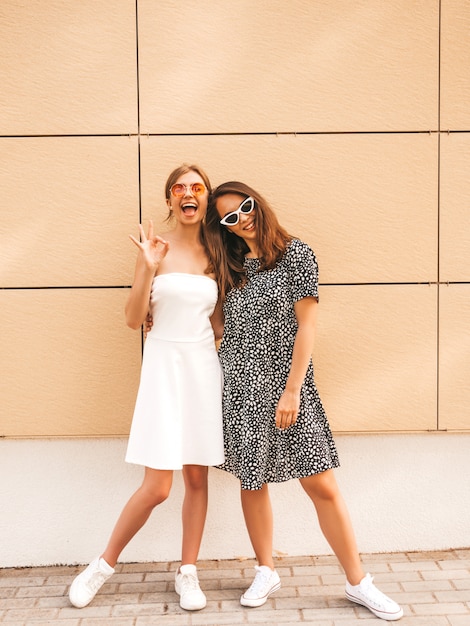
152,247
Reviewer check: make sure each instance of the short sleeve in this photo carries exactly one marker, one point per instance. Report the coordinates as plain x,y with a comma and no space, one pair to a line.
303,270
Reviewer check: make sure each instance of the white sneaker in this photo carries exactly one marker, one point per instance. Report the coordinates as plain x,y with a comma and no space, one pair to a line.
367,594
187,587
86,585
266,582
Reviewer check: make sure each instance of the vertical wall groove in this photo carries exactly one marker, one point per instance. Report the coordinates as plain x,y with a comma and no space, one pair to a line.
438,212
138,130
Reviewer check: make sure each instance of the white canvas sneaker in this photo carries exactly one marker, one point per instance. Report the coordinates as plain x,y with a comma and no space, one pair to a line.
367,594
188,589
86,585
266,582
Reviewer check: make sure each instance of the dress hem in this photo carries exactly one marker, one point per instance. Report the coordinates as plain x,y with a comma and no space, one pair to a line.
278,480
173,468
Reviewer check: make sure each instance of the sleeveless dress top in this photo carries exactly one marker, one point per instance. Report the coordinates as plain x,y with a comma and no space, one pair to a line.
178,417
256,355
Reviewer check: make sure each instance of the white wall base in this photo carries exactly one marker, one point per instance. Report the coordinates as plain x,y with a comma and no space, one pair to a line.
61,498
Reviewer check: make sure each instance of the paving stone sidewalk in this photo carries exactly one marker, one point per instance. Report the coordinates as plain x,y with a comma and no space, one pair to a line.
432,587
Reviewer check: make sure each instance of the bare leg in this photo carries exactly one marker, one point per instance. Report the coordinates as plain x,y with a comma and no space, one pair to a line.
154,490
194,511
258,514
334,520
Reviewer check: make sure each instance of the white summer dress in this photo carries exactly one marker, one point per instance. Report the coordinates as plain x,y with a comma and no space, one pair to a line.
178,413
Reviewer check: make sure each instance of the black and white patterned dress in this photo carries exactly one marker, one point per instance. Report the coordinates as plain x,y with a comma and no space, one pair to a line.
256,353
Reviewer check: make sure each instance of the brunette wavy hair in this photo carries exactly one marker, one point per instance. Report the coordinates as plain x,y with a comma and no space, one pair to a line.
227,251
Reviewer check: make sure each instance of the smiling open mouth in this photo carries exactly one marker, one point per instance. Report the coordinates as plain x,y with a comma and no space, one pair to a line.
189,208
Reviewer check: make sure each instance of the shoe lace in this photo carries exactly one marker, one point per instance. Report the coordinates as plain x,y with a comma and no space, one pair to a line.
259,582
374,595
189,582
96,581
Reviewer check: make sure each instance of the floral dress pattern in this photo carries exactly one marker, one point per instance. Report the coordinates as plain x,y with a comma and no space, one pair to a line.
256,354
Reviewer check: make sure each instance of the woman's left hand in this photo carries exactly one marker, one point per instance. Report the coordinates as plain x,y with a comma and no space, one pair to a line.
287,409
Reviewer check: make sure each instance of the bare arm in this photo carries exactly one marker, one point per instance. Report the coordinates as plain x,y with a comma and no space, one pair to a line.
217,321
152,249
289,402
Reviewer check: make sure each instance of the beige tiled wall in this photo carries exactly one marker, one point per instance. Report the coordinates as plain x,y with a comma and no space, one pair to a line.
351,118
329,65
69,364
455,207
68,67
454,356
455,61
69,203
376,348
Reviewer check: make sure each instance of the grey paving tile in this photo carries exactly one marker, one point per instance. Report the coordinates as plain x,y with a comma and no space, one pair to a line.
25,615
40,592
454,574
93,610
260,616
7,592
17,603
21,581
335,613
427,585
166,620
109,621
459,620
462,583
415,620
453,596
54,622
456,564
147,608
218,619
415,566
439,608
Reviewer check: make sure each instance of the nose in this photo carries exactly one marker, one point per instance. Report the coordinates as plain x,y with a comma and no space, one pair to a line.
243,217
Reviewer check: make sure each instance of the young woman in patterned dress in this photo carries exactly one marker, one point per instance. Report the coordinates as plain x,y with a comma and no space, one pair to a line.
275,428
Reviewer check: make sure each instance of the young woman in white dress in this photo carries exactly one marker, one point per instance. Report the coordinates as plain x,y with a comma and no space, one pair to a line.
177,424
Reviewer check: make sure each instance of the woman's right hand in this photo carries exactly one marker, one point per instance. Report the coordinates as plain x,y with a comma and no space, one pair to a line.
148,324
152,247
152,251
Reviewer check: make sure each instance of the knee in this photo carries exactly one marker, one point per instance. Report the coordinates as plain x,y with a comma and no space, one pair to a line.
157,494
321,487
195,477
156,487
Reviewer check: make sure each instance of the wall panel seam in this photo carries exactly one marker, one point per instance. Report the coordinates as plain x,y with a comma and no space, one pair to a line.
242,134
343,284
438,365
